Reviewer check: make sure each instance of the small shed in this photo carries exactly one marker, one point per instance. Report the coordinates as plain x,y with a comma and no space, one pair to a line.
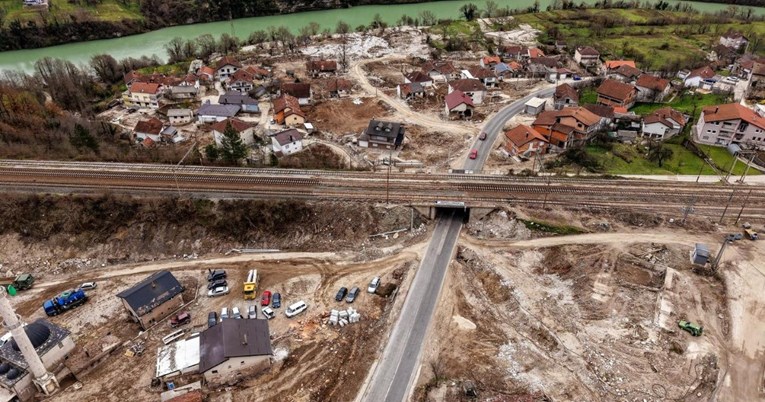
734,149
700,254
535,106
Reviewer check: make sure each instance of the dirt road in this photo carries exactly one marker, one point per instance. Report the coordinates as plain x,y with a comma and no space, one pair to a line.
591,238
402,109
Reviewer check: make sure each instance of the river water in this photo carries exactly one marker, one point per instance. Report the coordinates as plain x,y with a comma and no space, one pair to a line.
151,43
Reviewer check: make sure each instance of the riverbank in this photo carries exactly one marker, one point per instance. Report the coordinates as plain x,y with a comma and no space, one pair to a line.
152,43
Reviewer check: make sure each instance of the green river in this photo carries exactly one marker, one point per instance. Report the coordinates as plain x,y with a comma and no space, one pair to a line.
152,42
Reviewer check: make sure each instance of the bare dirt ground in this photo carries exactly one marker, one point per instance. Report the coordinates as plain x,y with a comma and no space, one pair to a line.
339,117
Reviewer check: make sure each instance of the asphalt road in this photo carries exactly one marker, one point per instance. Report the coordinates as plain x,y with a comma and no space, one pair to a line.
396,370
394,374
493,127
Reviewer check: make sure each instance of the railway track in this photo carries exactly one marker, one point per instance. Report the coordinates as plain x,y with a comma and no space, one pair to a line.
409,189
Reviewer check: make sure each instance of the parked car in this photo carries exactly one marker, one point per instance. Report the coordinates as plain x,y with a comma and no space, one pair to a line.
268,313
212,319
294,309
374,284
276,301
219,291
217,284
352,294
341,294
216,275
265,300
223,313
180,319
482,136
235,313
473,154
252,312
88,286
577,78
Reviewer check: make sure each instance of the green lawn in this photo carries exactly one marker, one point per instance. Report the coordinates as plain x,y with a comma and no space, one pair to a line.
724,159
682,162
685,103
588,96
106,10
638,34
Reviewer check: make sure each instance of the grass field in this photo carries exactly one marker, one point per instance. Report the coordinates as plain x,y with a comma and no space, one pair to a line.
685,103
588,96
107,10
682,162
638,34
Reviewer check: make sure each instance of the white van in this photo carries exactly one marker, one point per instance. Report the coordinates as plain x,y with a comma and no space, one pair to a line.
295,309
223,313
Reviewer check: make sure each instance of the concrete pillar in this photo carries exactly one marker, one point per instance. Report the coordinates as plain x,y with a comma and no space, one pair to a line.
44,380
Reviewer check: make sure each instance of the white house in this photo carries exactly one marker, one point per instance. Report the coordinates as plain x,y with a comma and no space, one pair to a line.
732,123
470,87
151,128
655,127
226,67
287,142
179,117
733,40
458,103
586,56
245,130
697,76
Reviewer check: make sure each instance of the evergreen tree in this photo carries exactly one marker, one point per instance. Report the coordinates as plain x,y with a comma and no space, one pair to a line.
232,148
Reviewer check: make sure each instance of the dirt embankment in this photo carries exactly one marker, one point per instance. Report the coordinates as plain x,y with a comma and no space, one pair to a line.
58,233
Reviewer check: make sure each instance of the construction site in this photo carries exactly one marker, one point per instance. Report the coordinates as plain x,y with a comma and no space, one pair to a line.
538,304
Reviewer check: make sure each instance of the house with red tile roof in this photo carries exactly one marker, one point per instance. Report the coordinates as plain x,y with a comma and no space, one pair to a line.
616,94
732,123
586,56
418,77
525,141
568,127
470,87
697,76
299,90
244,129
226,67
241,81
151,128
663,123
458,104
440,70
651,88
624,73
143,94
321,68
490,61
287,111
614,64
565,96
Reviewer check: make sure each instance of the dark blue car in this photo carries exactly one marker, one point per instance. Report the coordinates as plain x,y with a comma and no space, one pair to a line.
276,300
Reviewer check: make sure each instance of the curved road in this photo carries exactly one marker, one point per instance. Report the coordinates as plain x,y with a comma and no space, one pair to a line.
396,370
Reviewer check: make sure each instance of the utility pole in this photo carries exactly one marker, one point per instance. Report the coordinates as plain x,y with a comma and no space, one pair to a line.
718,258
175,176
698,176
727,205
748,165
544,204
688,209
742,206
735,159
387,182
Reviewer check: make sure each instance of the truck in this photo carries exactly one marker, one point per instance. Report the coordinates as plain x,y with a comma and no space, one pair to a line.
693,329
65,301
250,287
21,282
751,234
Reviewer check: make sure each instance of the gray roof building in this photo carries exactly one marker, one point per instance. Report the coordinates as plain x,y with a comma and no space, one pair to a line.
218,110
231,339
151,292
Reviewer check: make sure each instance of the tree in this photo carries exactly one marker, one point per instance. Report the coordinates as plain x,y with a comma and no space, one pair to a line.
313,28
469,11
342,27
228,44
175,49
81,138
107,69
257,37
428,18
205,46
658,153
377,22
232,148
491,9
212,153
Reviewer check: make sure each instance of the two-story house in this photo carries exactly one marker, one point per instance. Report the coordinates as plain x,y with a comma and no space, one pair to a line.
616,94
565,96
586,56
470,87
287,142
382,134
226,67
145,95
732,123
651,88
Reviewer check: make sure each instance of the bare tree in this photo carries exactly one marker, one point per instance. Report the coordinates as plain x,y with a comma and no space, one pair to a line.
107,69
428,18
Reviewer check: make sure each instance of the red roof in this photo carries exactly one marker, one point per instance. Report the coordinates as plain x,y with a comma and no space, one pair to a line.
191,396
236,124
322,65
652,82
207,71
563,91
481,72
488,60
227,61
152,126
442,67
287,102
418,76
522,135
536,52
467,85
588,51
297,89
657,119
732,111
616,90
703,72
144,88
669,113
242,75
627,71
456,98
612,64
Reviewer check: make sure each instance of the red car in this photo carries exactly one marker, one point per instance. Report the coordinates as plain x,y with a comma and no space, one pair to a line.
265,300
473,154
